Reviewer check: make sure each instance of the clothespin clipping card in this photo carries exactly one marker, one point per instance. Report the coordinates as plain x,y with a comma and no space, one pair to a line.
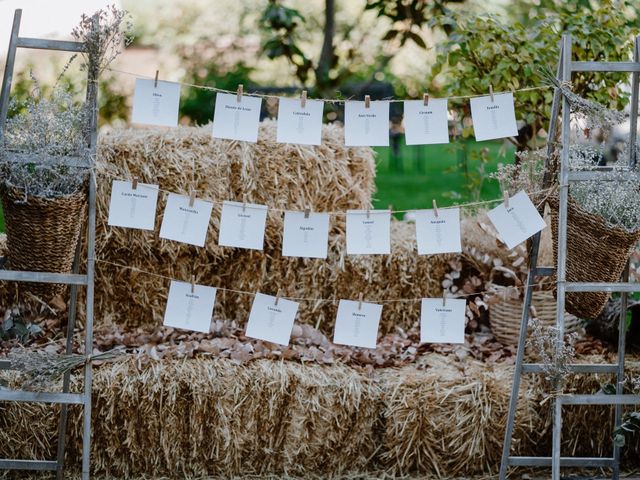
193,283
239,93
493,99
303,99
435,208
425,99
367,101
134,183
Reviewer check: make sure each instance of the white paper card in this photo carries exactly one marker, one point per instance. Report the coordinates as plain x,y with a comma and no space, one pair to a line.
133,208
442,323
305,237
271,322
235,120
184,223
495,119
518,222
439,234
156,105
357,325
242,225
366,126
297,124
368,233
426,124
189,310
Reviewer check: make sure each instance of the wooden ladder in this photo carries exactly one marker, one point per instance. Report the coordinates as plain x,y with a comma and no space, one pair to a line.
566,67
74,279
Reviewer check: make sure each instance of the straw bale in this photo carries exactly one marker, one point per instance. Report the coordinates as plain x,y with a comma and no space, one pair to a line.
449,419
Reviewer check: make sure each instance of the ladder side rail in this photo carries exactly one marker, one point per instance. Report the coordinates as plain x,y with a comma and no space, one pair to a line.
7,78
561,269
633,118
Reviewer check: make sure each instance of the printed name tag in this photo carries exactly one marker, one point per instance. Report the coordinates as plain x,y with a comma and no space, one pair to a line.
494,119
297,124
368,233
518,222
439,234
271,322
426,124
442,323
185,223
133,208
305,237
242,225
236,120
366,126
356,324
156,105
190,310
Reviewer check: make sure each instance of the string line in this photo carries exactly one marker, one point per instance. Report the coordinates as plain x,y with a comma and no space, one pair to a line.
326,100
326,300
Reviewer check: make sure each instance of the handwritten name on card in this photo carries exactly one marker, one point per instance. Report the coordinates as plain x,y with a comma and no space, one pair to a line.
131,208
442,323
305,237
297,124
366,126
185,223
235,120
518,222
438,234
187,309
426,124
242,225
357,324
270,321
368,232
156,105
494,119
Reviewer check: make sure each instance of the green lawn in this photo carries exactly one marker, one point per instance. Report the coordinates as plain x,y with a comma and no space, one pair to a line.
437,172
424,173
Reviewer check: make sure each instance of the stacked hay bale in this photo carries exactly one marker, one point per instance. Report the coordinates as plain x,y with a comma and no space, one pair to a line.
330,177
214,417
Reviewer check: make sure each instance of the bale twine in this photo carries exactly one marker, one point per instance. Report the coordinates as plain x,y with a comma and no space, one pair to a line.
42,234
595,253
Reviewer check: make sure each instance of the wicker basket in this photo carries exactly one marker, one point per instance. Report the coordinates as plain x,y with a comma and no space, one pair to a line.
505,316
42,234
595,253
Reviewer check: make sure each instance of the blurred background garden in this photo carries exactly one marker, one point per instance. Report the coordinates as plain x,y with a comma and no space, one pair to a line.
346,49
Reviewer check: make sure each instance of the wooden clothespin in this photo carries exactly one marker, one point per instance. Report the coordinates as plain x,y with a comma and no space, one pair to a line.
134,183
444,298
192,198
368,213
390,208
240,90
277,297
435,208
425,99
360,301
491,93
303,99
367,101
193,283
505,194
244,203
307,211
155,82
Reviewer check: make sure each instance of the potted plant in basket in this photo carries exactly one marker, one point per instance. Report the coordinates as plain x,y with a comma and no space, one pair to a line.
42,188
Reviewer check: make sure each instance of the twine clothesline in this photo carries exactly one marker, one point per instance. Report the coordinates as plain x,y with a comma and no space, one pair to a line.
326,100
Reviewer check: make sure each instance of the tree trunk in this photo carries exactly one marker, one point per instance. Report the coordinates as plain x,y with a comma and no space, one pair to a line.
327,55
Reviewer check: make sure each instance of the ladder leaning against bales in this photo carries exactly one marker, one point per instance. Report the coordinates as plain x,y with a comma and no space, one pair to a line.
566,67
74,279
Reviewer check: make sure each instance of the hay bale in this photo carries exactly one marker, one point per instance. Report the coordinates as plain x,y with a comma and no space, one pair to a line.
449,419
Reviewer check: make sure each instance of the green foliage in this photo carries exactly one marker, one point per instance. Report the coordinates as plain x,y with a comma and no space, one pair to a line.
486,50
16,327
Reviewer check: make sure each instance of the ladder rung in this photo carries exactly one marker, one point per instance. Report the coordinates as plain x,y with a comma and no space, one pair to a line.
43,277
544,271
605,67
599,399
564,461
602,287
45,44
41,397
602,175
577,368
9,464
